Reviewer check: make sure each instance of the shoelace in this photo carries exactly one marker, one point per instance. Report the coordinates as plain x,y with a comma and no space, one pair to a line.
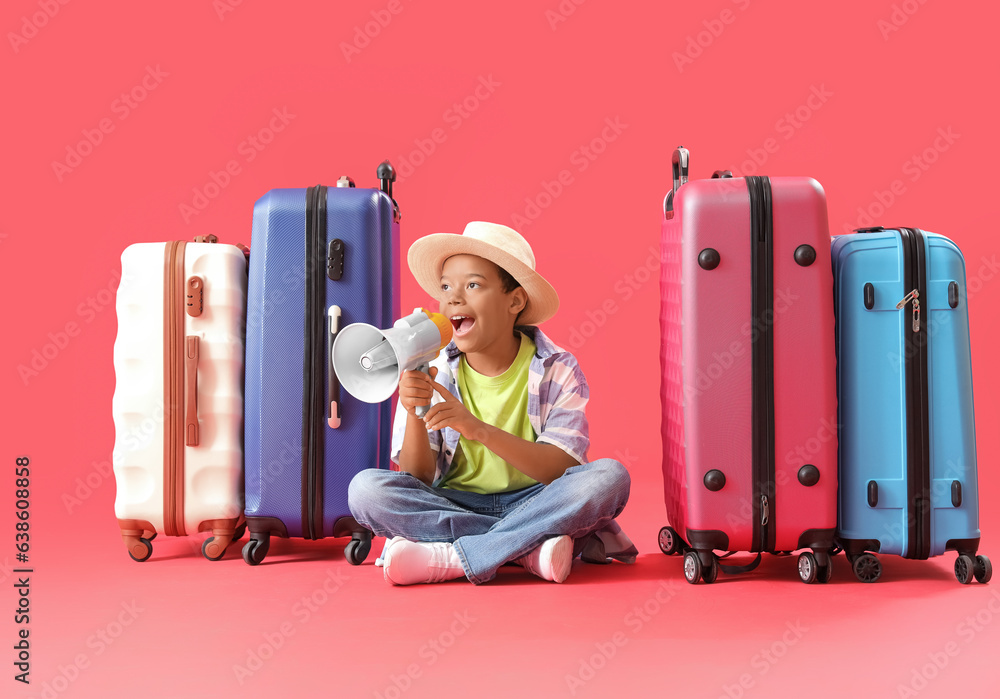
439,563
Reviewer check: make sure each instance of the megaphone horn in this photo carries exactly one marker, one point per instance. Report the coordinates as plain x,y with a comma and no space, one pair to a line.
369,361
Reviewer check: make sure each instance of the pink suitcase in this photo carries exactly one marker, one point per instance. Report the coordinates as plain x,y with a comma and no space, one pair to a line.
749,372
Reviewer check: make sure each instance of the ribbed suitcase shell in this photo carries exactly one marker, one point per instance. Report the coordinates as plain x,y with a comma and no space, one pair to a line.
368,292
213,476
872,389
706,362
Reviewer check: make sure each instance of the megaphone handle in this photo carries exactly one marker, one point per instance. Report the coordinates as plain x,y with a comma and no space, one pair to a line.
333,382
421,410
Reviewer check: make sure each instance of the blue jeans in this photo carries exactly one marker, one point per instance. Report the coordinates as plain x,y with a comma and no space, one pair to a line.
490,530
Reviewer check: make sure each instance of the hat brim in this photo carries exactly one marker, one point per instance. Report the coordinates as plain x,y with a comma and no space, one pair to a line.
427,255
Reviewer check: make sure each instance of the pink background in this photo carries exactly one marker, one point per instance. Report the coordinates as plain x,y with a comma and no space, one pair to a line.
834,91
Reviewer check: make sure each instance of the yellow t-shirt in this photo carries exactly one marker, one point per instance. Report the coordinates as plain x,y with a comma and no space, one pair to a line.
501,401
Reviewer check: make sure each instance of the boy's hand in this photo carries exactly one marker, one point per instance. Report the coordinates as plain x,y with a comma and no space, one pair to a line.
415,388
452,413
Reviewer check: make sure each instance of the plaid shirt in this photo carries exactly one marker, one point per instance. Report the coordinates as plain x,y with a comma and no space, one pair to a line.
557,401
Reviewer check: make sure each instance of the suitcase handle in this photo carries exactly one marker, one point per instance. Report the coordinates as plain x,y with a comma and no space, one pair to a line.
191,354
386,174
679,163
333,383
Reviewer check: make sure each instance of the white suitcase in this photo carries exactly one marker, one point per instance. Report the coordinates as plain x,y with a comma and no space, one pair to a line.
178,401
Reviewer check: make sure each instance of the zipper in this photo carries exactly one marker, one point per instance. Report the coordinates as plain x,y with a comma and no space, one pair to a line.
385,289
917,413
762,275
312,395
173,388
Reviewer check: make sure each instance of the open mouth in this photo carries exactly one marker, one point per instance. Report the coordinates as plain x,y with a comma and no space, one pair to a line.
462,324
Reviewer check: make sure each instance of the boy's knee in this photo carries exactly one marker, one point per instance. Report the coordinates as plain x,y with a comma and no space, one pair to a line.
613,473
363,490
614,480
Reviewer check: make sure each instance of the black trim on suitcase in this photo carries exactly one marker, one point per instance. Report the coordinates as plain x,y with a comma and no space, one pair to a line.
917,409
312,396
761,237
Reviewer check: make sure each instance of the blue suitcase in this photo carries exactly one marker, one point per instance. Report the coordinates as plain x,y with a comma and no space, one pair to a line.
323,258
908,483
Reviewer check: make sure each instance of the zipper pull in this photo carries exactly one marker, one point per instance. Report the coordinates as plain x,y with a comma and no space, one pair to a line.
913,296
764,511
909,297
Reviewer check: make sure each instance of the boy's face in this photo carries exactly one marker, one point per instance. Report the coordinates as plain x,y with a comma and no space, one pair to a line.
474,300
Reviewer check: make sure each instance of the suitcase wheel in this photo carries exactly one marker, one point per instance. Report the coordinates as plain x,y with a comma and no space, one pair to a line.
983,570
815,567
670,542
213,551
255,550
240,531
964,569
141,551
711,572
150,536
692,567
826,572
808,568
867,568
358,547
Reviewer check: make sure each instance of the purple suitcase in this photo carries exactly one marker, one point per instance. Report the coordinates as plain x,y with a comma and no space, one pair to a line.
323,258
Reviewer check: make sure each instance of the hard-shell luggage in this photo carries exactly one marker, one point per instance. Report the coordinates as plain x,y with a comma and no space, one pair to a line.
323,258
908,482
178,401
748,384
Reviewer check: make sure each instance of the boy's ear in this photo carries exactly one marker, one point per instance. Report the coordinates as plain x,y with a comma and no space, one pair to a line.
518,300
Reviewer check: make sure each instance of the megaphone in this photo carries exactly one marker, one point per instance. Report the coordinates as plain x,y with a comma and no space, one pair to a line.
369,361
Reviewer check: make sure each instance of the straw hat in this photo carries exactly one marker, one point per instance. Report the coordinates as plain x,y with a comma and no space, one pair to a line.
496,243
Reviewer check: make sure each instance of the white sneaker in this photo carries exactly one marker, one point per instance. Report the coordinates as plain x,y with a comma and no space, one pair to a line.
550,560
406,562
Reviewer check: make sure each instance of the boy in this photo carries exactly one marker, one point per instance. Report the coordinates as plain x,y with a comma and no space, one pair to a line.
497,472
